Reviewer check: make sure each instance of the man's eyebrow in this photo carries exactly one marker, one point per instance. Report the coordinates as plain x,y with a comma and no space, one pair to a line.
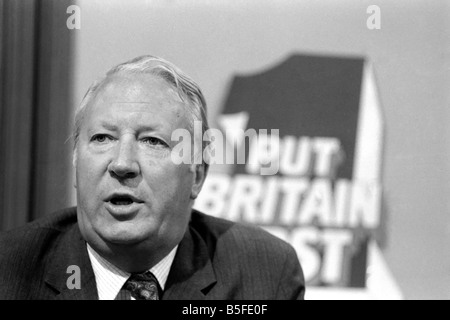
141,128
145,128
108,126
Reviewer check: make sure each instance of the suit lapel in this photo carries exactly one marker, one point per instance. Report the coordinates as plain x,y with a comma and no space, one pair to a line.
71,251
191,276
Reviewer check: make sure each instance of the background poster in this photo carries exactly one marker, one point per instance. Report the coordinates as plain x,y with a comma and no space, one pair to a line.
321,190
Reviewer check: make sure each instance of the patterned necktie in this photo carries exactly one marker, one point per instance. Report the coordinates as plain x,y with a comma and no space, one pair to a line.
141,286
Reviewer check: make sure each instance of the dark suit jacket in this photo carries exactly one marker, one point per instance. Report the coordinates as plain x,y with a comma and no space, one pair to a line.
216,259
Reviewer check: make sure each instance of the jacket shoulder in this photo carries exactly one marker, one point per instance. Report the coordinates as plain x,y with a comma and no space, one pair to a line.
249,262
217,231
37,252
27,235
23,249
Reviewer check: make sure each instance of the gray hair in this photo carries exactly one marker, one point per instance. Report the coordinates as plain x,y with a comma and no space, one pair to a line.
187,89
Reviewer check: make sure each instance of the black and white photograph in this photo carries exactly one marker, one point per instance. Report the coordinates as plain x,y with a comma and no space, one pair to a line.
224,150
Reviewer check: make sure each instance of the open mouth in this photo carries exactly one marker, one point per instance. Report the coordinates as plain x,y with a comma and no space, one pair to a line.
121,200
123,206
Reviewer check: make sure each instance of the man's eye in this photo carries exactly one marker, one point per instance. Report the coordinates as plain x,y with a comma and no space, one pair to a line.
154,141
100,138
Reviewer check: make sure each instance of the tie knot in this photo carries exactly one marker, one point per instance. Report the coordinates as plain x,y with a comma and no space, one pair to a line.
143,286
145,276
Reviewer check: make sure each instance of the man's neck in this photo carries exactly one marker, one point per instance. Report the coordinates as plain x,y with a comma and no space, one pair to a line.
134,258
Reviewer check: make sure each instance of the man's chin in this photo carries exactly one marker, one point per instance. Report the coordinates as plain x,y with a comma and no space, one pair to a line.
123,238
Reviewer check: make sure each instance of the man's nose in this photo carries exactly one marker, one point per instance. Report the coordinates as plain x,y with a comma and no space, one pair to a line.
124,165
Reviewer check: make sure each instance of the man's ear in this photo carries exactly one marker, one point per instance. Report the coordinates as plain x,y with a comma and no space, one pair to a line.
200,171
74,158
74,164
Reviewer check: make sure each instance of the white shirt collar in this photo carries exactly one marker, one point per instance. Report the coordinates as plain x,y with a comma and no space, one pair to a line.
110,279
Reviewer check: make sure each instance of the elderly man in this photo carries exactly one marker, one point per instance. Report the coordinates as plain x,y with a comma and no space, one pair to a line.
134,234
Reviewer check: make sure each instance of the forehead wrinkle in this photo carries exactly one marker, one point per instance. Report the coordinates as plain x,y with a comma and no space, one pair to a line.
138,85
144,106
140,89
114,122
132,119
140,127
140,92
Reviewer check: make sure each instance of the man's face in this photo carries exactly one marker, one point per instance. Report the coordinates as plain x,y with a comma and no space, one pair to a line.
128,190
